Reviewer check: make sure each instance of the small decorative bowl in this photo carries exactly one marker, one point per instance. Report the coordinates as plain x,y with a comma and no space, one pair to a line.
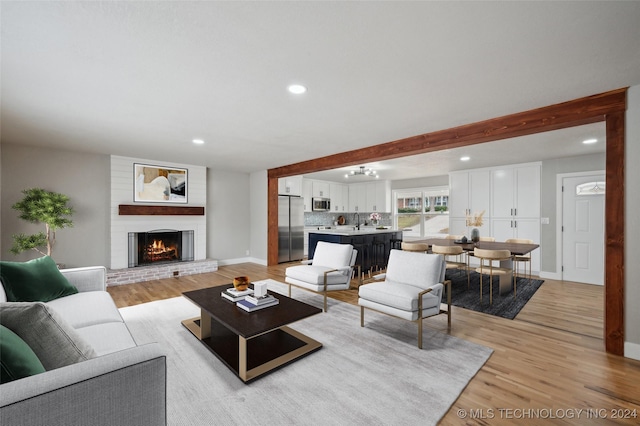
241,283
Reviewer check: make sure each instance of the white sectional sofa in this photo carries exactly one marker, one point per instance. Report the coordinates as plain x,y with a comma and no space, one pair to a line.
123,384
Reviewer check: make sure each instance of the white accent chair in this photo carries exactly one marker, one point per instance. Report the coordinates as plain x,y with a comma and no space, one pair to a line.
411,290
330,269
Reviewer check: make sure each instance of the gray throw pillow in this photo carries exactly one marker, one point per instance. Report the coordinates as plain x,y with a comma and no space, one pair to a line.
50,337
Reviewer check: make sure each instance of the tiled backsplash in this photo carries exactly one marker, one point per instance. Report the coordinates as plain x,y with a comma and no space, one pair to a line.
329,218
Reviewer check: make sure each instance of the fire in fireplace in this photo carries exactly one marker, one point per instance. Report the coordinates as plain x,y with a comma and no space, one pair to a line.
160,246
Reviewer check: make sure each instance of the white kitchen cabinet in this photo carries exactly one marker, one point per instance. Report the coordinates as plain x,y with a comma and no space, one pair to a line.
516,192
515,205
378,196
357,197
307,194
505,228
370,197
339,197
321,189
290,185
469,193
383,197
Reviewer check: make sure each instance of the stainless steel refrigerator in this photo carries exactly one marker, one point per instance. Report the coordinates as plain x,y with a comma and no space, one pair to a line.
290,228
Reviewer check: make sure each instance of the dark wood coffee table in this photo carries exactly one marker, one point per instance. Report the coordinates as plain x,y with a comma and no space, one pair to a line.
251,344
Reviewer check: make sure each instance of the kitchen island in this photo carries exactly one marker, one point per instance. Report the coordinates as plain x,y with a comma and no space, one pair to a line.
373,244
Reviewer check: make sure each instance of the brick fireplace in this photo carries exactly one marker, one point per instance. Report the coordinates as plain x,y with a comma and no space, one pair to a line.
160,246
129,217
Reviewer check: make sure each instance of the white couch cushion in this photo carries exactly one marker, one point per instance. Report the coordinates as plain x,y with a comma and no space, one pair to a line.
332,255
416,269
400,296
315,274
87,308
107,338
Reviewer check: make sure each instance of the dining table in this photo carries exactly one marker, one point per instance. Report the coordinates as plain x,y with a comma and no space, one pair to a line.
516,249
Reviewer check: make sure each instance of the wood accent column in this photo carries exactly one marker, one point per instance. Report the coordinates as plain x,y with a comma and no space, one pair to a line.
272,219
614,235
609,106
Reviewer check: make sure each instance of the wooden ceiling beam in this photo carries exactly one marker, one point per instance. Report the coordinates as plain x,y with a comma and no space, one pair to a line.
578,112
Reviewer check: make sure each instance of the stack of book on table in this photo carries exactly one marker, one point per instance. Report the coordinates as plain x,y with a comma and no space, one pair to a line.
251,303
235,295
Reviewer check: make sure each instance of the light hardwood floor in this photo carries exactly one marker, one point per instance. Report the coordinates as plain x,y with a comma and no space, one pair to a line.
548,363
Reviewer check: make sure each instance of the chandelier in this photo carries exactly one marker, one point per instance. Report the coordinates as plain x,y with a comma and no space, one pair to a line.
363,171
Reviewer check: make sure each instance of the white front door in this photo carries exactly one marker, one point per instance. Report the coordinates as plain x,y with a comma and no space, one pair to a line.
583,229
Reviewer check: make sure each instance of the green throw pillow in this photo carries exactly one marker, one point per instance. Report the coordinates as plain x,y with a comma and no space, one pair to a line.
37,280
48,334
17,360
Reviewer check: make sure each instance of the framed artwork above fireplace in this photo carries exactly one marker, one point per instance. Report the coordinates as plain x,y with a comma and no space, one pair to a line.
159,184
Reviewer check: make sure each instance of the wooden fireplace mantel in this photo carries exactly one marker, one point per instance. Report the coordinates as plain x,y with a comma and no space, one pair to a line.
129,209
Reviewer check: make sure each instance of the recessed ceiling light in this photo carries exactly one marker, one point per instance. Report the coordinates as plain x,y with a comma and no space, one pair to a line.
297,89
465,158
198,141
589,141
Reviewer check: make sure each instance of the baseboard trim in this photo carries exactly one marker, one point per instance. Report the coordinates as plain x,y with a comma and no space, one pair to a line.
550,275
632,350
242,260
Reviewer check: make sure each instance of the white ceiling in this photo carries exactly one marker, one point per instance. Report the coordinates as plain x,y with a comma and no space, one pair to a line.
542,146
144,78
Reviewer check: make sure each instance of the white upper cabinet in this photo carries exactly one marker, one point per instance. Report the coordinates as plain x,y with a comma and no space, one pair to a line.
382,201
458,194
370,197
357,197
469,193
528,191
321,189
516,192
339,197
307,194
291,185
509,197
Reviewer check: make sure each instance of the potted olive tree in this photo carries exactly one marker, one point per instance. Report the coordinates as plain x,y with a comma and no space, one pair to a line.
41,206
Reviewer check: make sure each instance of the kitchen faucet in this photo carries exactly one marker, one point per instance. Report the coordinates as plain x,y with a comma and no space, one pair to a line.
356,217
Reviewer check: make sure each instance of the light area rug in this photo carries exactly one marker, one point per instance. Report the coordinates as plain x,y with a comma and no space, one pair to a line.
374,375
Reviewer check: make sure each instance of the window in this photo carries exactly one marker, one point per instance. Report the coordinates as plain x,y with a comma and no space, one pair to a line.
422,212
591,188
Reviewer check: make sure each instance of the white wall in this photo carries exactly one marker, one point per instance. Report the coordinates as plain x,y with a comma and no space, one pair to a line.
258,218
548,197
228,217
122,193
83,177
632,223
424,182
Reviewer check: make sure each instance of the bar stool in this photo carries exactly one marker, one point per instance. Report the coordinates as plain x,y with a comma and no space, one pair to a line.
363,258
378,248
417,247
396,243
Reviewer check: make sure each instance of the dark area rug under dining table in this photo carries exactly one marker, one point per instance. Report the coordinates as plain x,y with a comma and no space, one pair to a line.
505,306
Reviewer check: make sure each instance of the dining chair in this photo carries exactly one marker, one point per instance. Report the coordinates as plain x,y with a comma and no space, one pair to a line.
458,253
453,237
525,258
490,239
487,257
417,247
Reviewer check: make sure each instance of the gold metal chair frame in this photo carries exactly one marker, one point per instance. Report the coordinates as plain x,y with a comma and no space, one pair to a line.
324,293
447,285
493,256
